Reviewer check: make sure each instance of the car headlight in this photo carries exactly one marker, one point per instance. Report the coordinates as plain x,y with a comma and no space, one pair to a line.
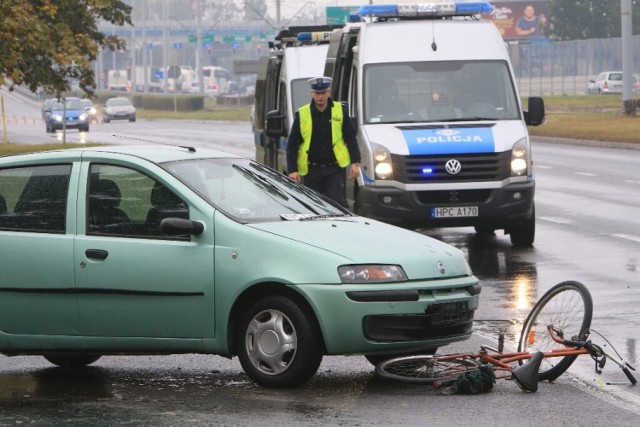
371,273
519,158
382,161
83,116
57,117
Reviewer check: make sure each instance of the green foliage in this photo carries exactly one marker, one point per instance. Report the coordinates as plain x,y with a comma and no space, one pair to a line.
49,44
588,19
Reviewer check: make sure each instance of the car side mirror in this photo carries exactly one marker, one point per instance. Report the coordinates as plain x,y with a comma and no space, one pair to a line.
535,115
275,124
180,227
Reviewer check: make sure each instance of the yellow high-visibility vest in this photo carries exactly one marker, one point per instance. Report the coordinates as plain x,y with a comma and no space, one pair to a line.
340,149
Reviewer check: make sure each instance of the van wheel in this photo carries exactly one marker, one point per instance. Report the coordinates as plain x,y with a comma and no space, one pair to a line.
278,342
72,361
522,236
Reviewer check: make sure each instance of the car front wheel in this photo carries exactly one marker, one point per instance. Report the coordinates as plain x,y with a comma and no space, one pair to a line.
279,343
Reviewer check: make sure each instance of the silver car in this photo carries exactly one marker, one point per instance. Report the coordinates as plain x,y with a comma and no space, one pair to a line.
606,82
119,108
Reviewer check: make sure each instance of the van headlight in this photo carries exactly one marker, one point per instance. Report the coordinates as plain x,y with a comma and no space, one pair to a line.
382,162
519,158
371,273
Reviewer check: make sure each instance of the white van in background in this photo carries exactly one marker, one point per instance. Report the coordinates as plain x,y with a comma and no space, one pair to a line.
441,129
282,88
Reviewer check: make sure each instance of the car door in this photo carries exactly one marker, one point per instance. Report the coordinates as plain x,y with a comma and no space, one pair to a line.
133,281
36,240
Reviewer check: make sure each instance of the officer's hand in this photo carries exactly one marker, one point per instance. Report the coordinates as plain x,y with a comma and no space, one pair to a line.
354,172
295,176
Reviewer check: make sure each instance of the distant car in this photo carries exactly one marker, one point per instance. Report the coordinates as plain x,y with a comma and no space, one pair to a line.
119,108
606,82
46,104
67,113
127,250
91,109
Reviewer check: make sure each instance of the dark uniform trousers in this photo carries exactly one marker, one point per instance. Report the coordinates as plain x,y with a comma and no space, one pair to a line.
328,180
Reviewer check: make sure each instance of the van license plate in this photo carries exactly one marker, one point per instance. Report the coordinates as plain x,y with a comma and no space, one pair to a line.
454,212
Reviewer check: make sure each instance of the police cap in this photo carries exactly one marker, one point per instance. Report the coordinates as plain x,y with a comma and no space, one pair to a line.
320,84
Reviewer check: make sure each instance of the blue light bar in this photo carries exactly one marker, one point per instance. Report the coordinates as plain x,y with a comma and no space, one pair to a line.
315,36
425,9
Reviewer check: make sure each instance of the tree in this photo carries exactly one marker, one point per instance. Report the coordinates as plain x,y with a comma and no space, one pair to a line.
587,19
49,44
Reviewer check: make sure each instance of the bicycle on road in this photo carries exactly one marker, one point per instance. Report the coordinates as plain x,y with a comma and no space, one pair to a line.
554,334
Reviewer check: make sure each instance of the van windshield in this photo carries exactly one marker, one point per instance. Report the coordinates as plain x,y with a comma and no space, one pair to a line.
439,92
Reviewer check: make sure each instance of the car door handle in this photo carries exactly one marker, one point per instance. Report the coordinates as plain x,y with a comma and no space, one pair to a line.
96,254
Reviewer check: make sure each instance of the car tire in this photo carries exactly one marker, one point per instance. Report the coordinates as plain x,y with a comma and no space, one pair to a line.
132,119
522,236
48,128
279,343
72,361
85,128
105,119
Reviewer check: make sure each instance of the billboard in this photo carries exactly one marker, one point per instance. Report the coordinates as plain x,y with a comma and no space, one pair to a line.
519,20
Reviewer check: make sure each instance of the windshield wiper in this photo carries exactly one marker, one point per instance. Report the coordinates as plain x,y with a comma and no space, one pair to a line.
261,182
308,218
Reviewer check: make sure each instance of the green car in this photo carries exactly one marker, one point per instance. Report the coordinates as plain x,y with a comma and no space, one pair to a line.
164,250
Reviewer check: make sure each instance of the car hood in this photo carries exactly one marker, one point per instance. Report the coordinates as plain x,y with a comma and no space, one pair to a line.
365,241
70,113
117,108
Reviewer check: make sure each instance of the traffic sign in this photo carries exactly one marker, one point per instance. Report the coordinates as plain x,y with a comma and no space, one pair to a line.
177,45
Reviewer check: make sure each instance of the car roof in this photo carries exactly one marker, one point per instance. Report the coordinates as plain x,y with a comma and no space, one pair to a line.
155,153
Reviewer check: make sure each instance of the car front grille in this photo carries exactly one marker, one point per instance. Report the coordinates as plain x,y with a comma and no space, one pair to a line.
432,168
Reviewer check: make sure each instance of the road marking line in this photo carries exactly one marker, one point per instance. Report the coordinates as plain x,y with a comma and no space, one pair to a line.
556,220
585,173
627,237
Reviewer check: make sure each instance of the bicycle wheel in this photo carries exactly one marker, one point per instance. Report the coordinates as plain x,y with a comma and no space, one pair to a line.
425,369
568,307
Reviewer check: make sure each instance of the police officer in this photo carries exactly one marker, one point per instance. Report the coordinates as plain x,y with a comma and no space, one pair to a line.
323,144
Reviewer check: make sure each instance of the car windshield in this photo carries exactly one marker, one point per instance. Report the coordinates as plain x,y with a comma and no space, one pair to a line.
118,102
71,104
252,192
439,91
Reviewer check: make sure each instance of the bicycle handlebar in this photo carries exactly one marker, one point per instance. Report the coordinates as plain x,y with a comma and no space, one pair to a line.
593,348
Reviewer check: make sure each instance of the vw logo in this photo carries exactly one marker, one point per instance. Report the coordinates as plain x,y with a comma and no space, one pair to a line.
441,268
453,167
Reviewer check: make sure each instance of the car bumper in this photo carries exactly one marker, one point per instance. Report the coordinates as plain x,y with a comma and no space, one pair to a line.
497,208
414,316
70,124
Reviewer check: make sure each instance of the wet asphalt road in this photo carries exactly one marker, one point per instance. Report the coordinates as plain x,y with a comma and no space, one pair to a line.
588,229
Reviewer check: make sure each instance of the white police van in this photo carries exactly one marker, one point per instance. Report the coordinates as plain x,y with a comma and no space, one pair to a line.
282,88
440,125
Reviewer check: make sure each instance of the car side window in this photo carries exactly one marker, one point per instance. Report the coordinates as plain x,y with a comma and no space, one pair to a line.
127,203
34,198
